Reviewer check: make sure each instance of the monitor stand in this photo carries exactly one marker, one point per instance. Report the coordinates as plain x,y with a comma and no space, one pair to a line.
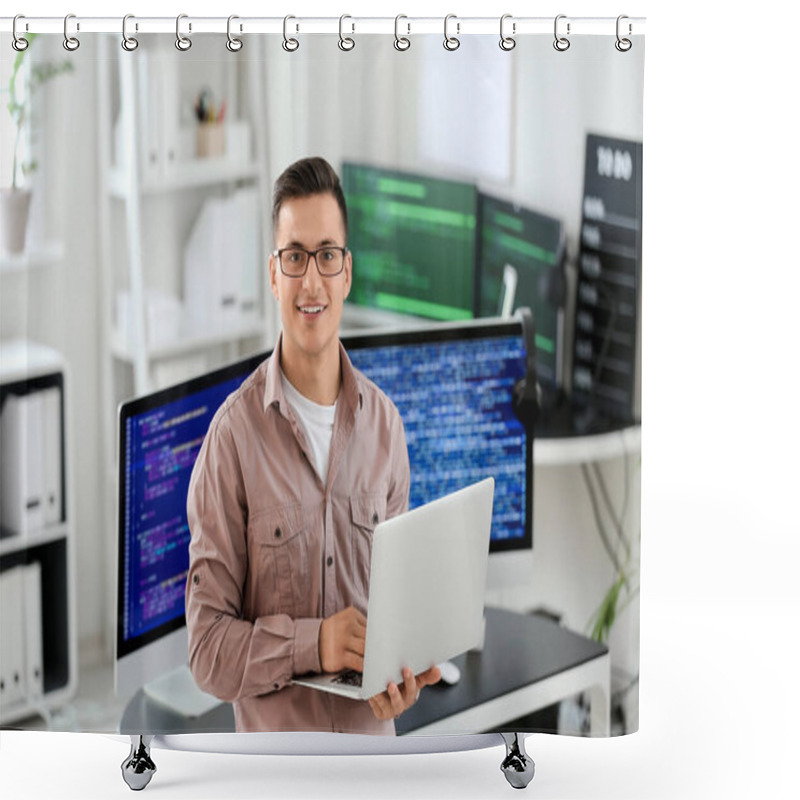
177,691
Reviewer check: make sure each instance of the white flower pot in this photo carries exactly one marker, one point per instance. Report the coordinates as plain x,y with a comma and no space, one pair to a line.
14,207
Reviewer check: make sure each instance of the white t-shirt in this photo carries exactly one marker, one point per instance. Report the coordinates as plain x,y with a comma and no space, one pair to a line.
317,422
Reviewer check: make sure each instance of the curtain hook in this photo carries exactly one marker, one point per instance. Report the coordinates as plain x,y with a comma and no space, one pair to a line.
289,44
129,43
451,42
346,43
71,43
561,43
401,42
233,44
507,42
19,43
183,43
623,45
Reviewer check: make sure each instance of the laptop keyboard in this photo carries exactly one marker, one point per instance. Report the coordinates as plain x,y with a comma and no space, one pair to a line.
349,678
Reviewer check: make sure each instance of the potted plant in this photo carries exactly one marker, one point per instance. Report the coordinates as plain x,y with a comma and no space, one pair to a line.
15,200
620,594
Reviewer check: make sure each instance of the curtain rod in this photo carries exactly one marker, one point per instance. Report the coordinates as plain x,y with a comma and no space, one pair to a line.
348,25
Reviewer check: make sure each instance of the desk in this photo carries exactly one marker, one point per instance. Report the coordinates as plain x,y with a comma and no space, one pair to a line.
549,664
583,449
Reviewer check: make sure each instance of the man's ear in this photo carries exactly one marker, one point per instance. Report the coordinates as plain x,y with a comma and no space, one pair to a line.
348,273
273,281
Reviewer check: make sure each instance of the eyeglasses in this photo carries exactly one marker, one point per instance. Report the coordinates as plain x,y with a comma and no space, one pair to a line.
293,261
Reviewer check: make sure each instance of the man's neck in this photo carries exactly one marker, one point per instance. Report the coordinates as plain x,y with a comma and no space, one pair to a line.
316,378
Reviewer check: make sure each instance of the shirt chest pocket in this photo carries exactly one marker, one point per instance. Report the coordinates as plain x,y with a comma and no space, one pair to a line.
280,548
366,512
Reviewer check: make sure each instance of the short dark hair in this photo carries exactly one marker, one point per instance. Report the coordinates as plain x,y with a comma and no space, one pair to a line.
306,177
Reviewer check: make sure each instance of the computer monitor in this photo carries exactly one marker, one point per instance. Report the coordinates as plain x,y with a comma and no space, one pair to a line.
456,386
453,385
531,245
413,242
160,436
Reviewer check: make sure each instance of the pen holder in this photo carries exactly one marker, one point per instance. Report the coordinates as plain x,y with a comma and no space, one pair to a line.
210,141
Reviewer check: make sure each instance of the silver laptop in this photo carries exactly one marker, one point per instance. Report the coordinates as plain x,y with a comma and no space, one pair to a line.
427,591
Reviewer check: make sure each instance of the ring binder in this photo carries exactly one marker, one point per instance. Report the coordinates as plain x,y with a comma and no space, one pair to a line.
19,43
451,43
71,43
561,43
401,42
289,44
182,43
346,43
129,43
507,42
623,45
233,44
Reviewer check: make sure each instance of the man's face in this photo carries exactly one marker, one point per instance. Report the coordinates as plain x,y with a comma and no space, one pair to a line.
311,306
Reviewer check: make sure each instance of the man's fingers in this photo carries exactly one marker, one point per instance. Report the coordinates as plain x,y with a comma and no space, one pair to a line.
353,660
409,687
357,619
429,677
358,633
398,706
380,706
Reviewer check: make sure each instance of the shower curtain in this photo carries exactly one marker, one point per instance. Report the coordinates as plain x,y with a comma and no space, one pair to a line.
144,264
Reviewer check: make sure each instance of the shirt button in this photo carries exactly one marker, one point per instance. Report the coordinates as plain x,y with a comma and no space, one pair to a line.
330,560
195,579
276,686
277,533
375,518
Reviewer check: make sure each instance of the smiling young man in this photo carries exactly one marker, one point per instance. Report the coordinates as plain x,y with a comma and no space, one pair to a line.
298,467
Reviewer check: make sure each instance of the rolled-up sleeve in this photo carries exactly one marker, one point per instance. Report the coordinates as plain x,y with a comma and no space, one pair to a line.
231,657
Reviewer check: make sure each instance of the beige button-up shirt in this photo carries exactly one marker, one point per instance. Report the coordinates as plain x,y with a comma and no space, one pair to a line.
274,551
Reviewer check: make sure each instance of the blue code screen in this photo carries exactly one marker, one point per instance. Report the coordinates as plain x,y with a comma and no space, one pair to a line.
161,447
455,399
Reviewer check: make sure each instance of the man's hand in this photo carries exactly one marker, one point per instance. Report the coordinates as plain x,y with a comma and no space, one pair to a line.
341,641
396,699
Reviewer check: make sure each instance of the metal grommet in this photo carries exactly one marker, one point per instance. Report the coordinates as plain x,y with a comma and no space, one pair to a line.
561,43
401,42
623,45
70,42
19,43
183,43
346,43
451,42
129,43
507,42
289,44
233,44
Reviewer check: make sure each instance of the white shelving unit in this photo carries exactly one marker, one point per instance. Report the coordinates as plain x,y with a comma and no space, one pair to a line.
147,161
27,368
